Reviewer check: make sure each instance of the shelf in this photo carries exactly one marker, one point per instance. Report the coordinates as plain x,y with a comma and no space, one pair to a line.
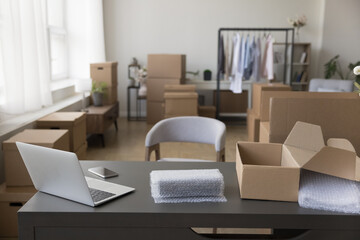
299,83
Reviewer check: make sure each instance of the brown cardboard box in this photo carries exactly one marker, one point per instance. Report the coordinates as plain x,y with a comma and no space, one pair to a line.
110,96
11,200
252,122
75,122
104,72
264,132
156,87
81,151
179,88
166,66
337,117
15,171
266,95
231,102
207,111
259,88
181,104
155,112
271,171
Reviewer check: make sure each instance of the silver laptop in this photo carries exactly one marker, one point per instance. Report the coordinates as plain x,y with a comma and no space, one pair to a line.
59,173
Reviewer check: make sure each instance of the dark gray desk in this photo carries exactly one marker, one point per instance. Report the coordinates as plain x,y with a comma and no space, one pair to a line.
136,216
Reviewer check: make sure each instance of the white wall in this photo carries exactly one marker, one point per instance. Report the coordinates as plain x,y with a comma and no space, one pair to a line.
341,33
135,28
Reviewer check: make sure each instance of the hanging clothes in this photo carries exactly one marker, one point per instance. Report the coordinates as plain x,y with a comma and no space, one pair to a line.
268,60
226,58
221,57
235,59
236,87
250,58
256,73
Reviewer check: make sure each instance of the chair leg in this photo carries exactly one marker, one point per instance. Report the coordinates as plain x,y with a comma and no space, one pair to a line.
148,151
220,156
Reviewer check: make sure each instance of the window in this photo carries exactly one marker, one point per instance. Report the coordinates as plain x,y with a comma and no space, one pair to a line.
2,78
57,39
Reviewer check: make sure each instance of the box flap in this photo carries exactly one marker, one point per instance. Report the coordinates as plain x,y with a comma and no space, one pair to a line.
306,136
301,156
334,161
341,143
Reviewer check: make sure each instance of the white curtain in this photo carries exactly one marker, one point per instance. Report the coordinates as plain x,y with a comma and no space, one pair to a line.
85,36
25,56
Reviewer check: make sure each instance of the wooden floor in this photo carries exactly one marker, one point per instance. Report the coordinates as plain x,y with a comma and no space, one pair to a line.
128,143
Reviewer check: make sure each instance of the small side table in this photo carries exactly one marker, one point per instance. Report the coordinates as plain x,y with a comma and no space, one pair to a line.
99,119
138,98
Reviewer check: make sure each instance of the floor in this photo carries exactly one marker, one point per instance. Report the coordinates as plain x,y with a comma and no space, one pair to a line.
127,144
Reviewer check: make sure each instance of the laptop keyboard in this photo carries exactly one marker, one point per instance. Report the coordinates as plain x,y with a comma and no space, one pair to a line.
98,195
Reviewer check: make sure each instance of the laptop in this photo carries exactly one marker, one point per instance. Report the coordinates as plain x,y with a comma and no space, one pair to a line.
59,173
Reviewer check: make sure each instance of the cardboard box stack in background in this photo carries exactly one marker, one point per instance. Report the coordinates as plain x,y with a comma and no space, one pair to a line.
253,114
106,72
162,69
264,129
75,122
11,200
180,100
271,171
15,171
337,117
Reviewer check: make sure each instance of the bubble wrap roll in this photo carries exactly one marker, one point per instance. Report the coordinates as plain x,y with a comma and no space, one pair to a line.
325,192
205,185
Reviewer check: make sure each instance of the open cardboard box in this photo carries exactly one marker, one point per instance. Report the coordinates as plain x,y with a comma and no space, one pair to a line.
271,171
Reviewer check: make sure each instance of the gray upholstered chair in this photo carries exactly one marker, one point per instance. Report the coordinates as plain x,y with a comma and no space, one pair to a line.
186,129
330,85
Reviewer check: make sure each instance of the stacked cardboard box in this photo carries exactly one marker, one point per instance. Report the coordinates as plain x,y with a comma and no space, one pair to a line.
75,122
15,171
271,171
253,115
19,187
106,72
11,200
299,113
162,69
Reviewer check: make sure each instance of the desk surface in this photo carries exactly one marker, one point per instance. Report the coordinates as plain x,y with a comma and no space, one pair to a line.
138,209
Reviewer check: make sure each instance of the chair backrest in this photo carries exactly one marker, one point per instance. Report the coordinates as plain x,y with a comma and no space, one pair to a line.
331,85
188,129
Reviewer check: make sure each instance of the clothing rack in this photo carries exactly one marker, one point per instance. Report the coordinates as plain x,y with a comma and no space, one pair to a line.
287,32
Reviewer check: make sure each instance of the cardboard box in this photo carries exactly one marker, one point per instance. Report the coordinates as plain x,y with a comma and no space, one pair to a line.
155,112
110,96
271,171
104,72
231,102
156,88
264,132
15,171
166,66
252,122
75,122
337,117
179,88
181,104
11,200
207,111
259,88
267,95
81,151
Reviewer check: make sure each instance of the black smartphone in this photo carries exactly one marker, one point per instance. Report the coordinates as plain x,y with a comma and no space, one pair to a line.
103,172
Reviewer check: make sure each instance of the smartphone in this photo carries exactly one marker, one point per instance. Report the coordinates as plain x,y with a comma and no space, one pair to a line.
102,172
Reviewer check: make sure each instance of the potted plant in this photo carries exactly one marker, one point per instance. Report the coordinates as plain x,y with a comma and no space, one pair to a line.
207,75
97,92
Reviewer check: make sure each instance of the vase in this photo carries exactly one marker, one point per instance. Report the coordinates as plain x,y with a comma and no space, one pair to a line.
297,34
97,98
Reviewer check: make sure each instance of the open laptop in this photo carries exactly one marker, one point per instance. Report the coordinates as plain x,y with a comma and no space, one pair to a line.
59,173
